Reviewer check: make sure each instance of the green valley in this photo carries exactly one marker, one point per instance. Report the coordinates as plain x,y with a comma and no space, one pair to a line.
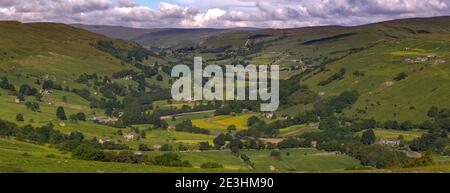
366,98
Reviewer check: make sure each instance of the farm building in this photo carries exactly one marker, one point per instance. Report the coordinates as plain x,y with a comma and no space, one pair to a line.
268,115
387,142
129,136
102,141
314,144
104,119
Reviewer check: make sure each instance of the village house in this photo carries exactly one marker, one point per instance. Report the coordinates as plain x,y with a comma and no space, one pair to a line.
420,60
272,168
268,115
439,61
45,92
431,56
129,136
102,141
129,77
189,99
314,144
388,142
157,146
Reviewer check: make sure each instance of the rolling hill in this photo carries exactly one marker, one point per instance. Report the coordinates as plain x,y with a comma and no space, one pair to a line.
61,55
159,37
372,56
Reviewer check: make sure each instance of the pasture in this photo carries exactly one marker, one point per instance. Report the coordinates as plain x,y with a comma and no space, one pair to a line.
19,157
395,134
300,160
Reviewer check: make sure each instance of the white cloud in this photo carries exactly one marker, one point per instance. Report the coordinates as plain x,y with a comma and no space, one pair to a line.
227,13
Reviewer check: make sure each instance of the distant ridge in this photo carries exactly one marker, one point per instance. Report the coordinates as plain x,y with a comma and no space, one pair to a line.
161,37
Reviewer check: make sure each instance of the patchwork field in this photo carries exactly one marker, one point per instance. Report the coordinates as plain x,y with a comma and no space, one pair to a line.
297,130
195,116
18,157
395,134
219,124
301,160
161,137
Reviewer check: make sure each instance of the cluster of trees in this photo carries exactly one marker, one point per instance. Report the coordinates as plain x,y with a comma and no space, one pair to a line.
290,86
148,71
236,143
139,78
137,53
186,126
170,159
368,137
48,135
88,152
19,117
77,117
83,93
61,114
130,118
24,90
435,141
440,119
211,165
112,90
32,106
5,84
84,78
49,85
143,147
337,104
344,140
358,73
337,76
222,139
135,109
395,125
124,73
237,106
187,109
27,90
400,76
259,128
325,110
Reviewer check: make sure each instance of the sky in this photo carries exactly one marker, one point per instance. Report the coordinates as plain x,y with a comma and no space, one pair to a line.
219,13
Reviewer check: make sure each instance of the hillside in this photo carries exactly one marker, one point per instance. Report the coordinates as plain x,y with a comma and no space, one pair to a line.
378,51
65,59
44,48
159,37
371,56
